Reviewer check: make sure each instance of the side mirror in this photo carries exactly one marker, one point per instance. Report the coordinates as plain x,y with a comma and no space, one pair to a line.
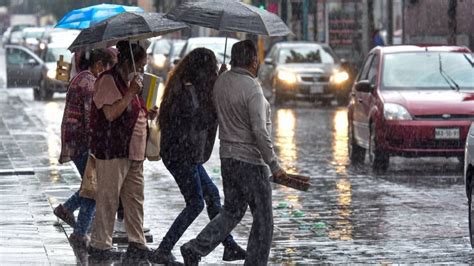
32,62
268,61
364,86
176,61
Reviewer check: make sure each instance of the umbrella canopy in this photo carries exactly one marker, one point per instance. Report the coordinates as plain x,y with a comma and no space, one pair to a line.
125,26
231,16
88,16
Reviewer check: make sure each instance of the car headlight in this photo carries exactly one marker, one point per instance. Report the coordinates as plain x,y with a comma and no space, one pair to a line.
42,46
287,76
339,77
392,111
51,73
159,60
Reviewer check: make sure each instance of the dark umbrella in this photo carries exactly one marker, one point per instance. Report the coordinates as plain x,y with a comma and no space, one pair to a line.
230,16
125,26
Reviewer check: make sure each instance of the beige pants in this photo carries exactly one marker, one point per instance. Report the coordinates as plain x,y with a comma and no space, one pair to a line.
118,178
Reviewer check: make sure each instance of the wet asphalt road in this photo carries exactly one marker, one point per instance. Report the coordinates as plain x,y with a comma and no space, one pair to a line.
415,213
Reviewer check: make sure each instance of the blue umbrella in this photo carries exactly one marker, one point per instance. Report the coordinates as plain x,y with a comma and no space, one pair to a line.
88,16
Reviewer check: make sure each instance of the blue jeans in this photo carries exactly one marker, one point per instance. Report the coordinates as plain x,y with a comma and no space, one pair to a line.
196,187
87,206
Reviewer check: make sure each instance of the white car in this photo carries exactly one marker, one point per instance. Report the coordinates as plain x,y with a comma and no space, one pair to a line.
468,176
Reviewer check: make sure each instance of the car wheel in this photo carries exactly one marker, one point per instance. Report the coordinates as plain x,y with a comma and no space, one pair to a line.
356,152
471,212
36,94
342,100
378,159
45,93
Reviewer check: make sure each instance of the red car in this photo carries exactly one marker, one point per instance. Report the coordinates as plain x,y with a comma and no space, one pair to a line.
411,101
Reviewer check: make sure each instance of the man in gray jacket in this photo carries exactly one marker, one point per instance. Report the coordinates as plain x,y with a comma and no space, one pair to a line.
246,152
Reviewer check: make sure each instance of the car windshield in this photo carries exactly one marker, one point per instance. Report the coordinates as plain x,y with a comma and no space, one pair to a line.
52,55
217,48
305,54
427,70
32,34
162,47
177,47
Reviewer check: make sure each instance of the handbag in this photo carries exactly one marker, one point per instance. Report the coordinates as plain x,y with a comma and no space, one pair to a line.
152,151
89,180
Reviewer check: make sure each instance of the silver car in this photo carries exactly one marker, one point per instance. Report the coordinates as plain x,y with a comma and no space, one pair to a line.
304,71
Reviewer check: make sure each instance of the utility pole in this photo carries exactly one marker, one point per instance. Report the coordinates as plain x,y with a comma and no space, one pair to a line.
305,19
390,22
452,22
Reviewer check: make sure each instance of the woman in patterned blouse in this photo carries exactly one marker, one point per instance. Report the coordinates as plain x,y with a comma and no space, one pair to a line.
75,139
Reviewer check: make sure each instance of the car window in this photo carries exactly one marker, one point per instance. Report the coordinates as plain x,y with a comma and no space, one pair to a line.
17,56
366,68
161,47
305,54
427,70
373,70
53,54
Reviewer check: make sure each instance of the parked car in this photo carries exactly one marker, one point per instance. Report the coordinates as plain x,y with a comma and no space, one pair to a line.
411,101
304,71
216,44
161,55
15,35
32,37
26,69
57,35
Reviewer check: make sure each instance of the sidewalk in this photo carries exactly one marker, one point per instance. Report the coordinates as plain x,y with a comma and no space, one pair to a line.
27,234
32,183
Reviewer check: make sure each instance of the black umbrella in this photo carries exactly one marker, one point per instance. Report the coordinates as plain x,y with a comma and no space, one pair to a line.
125,26
230,16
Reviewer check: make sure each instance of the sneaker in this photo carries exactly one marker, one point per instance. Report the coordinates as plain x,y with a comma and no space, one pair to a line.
190,259
119,227
104,254
79,242
162,257
233,252
62,213
138,251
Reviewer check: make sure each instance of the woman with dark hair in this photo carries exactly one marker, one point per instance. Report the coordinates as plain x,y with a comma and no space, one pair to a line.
75,140
188,123
118,139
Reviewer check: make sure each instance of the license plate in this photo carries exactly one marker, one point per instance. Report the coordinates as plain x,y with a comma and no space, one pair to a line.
446,133
317,89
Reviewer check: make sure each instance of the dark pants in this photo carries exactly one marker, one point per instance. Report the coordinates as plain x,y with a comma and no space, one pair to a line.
244,184
196,187
87,206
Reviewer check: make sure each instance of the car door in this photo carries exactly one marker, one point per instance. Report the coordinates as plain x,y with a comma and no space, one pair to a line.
23,67
360,123
368,98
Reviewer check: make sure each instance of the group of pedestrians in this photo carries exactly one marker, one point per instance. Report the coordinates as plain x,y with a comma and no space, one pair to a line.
105,116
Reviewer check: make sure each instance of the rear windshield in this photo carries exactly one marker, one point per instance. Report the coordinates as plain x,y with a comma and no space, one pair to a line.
428,70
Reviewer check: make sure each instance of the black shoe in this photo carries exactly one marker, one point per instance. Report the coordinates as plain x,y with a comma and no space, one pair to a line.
162,257
138,251
233,252
104,254
62,213
189,257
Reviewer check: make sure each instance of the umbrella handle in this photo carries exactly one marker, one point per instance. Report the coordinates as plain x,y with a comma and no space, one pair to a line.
133,58
225,47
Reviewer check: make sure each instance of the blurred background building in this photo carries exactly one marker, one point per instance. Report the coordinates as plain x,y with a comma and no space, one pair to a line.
346,25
